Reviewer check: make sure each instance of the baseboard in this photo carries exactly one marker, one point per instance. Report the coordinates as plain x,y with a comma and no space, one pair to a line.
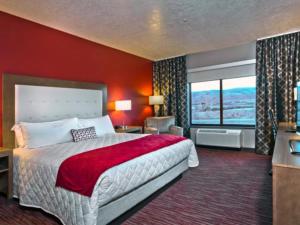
225,148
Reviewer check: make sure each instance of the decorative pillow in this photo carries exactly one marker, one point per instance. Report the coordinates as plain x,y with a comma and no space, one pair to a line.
103,125
19,136
48,133
84,134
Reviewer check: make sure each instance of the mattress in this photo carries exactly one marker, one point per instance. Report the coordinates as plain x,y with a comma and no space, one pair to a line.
35,172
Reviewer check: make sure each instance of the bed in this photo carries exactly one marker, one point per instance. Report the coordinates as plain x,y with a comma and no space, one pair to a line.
117,189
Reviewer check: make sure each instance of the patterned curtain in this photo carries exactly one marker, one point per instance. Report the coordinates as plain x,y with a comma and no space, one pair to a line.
170,80
277,71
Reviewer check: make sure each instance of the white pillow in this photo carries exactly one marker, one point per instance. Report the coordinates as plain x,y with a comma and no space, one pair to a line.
19,136
48,133
103,125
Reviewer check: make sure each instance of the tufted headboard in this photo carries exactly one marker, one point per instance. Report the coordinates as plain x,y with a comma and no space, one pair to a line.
40,103
33,99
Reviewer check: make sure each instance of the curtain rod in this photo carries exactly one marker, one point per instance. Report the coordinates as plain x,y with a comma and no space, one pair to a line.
280,34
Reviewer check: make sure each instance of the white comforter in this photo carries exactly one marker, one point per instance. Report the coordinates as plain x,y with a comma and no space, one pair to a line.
35,172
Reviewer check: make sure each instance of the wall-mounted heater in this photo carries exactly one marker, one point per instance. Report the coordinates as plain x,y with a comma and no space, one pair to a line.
219,137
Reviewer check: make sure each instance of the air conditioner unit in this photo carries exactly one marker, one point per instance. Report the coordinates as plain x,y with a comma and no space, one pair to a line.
219,137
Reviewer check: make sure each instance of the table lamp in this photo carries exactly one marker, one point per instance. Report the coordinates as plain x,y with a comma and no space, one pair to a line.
156,101
123,105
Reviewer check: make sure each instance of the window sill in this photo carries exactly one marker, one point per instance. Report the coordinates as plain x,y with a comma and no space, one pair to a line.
224,126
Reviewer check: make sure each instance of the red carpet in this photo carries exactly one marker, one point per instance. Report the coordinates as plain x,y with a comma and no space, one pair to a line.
228,188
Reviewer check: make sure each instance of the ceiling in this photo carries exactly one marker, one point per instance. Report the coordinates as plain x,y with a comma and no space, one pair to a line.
157,29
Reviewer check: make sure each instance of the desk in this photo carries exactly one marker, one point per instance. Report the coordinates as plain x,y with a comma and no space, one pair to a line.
286,180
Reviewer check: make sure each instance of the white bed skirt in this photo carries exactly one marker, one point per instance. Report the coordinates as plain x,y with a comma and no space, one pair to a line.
116,208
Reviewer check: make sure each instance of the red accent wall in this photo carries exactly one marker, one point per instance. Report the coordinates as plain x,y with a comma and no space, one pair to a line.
32,49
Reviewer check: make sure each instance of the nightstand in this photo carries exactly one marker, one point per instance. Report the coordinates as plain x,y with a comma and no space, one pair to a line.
130,129
6,171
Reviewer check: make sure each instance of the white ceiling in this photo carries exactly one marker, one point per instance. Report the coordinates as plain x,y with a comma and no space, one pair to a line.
157,29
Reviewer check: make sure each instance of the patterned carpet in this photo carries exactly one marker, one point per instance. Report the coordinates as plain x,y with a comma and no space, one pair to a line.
228,188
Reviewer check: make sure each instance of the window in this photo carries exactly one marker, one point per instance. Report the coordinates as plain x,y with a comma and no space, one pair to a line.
206,102
224,102
239,101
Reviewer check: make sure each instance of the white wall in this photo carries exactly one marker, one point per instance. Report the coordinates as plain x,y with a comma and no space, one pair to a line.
223,56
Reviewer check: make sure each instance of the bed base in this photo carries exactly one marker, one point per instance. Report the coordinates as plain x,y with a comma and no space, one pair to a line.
111,211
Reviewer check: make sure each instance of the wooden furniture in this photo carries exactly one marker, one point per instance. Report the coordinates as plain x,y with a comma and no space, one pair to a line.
130,129
286,179
6,170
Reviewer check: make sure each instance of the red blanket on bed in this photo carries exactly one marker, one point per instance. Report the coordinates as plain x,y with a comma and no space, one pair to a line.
79,173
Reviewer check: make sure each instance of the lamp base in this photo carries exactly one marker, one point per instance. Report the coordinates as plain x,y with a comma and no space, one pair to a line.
157,110
124,127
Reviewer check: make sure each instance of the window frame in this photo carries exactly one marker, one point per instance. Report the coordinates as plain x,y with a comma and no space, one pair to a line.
221,108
